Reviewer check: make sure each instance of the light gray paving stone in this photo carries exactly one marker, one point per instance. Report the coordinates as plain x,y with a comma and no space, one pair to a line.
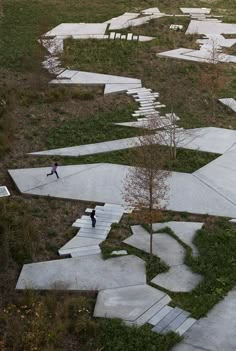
78,242
112,35
185,326
129,36
92,235
123,37
186,231
86,224
217,330
4,191
83,273
178,279
177,322
134,91
69,29
127,303
135,37
167,320
94,230
119,252
160,315
118,35
153,310
75,253
100,221
83,248
164,246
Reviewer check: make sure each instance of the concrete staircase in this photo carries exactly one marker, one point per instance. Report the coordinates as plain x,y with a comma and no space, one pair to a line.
87,240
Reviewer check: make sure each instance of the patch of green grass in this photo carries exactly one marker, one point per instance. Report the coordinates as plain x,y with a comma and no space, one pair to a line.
217,263
187,161
76,131
115,336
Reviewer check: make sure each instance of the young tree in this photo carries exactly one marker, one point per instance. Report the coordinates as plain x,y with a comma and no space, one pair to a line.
145,187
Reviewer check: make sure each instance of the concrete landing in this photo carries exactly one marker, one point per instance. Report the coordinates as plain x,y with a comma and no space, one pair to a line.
85,273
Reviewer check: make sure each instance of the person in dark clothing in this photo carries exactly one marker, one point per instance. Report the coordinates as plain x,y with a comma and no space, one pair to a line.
93,218
54,170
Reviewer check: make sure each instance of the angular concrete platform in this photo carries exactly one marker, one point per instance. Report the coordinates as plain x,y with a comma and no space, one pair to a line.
186,231
85,273
186,192
178,279
127,303
214,332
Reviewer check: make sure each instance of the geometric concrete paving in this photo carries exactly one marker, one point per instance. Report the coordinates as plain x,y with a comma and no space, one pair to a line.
127,303
87,240
220,175
83,273
105,183
216,331
185,231
164,246
178,279
210,139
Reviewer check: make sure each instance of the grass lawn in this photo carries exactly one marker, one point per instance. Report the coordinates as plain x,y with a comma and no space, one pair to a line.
34,116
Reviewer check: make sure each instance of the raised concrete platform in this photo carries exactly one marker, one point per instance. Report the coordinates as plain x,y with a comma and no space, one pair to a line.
186,231
85,273
178,279
164,246
214,332
127,303
186,192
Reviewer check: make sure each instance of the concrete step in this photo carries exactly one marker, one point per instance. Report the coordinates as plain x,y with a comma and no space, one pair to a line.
160,315
177,322
135,90
79,249
185,326
159,327
86,253
152,311
100,221
88,224
92,235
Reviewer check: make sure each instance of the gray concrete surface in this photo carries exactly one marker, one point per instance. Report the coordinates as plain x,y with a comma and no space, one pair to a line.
216,332
186,231
86,273
127,303
178,279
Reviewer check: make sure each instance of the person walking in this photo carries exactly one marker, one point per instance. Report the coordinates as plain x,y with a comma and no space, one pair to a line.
54,170
93,218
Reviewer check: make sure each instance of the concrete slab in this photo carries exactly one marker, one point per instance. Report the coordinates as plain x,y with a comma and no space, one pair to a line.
127,303
214,332
186,231
119,252
195,10
206,27
121,21
178,279
160,315
116,88
231,103
69,29
4,191
186,192
78,242
86,273
164,246
150,11
220,175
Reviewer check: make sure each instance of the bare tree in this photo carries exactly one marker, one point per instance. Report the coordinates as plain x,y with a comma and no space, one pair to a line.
145,187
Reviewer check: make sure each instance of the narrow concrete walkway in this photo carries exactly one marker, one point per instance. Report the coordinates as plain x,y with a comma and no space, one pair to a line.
216,332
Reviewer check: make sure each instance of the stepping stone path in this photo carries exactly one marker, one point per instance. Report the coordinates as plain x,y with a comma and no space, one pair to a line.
87,240
179,277
129,37
137,305
229,102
